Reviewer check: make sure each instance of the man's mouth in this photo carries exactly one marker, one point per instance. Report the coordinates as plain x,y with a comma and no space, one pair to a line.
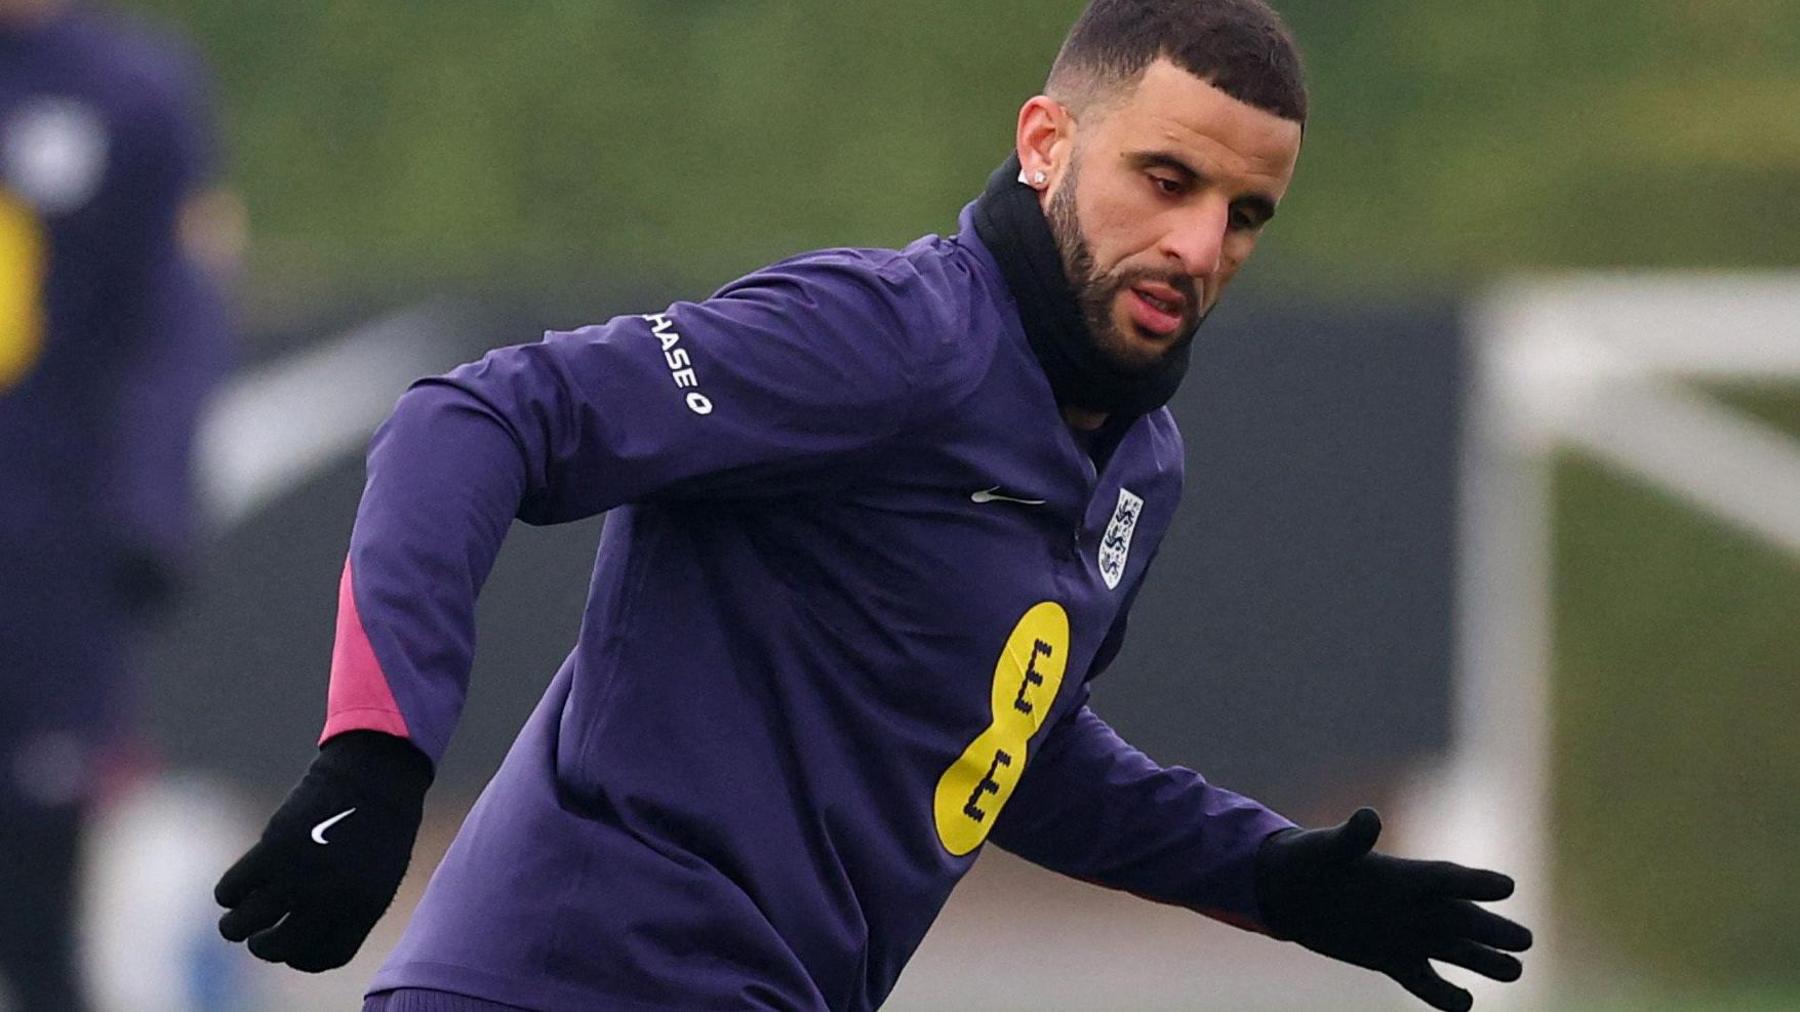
1158,309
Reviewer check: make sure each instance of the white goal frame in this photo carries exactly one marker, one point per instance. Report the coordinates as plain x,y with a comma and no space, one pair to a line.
1603,364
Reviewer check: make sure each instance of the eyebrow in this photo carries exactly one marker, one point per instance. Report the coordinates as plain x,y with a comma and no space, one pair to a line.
1258,204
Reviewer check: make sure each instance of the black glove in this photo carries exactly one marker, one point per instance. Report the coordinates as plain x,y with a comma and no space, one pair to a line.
1327,890
332,856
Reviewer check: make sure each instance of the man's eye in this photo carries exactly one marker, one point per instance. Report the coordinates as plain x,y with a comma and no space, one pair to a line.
1244,221
1169,187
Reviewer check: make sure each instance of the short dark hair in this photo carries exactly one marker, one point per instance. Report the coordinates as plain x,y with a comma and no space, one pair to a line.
1240,47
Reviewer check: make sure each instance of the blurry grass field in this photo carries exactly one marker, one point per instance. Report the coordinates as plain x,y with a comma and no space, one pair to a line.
583,139
1678,762
1769,1000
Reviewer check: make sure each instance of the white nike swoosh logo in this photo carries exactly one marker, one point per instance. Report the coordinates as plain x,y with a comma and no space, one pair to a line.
318,832
993,495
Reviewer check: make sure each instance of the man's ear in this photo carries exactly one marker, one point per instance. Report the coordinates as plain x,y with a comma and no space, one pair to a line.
1046,136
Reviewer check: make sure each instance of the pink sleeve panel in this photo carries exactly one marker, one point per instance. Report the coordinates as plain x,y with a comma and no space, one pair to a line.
360,698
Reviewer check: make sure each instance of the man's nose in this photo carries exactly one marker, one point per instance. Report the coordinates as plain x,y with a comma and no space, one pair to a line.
1198,241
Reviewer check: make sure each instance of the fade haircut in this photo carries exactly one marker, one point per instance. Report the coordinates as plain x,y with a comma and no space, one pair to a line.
1240,47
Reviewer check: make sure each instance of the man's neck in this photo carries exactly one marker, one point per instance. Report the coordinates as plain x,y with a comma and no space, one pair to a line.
1009,220
1083,419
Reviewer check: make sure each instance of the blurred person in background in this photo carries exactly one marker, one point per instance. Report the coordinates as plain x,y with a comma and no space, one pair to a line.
878,519
112,332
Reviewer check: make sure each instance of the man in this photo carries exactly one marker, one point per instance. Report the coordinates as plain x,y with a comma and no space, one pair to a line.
878,518
110,336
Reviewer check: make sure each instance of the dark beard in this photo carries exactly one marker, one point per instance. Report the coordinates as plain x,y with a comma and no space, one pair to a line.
1010,220
1097,293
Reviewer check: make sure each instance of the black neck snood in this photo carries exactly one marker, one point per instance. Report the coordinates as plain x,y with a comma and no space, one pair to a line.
1011,223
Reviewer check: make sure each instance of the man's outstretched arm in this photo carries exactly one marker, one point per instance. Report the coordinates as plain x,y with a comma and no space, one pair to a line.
1094,807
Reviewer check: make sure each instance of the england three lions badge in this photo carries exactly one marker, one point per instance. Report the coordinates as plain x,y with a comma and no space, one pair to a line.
1115,547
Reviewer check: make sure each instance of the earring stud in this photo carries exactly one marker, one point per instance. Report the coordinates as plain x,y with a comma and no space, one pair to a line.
1040,177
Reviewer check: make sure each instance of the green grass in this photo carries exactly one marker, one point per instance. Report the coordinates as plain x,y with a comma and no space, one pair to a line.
589,138
1773,404
1677,696
1721,1000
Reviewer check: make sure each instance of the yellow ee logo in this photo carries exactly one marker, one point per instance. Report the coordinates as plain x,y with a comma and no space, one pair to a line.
972,791
22,255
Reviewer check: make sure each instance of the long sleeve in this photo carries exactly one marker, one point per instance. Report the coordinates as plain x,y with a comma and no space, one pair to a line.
778,383
1093,807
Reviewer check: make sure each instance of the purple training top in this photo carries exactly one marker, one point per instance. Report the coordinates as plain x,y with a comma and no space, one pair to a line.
858,576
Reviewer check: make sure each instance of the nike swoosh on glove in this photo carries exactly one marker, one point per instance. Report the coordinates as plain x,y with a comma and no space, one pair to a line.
331,857
1328,890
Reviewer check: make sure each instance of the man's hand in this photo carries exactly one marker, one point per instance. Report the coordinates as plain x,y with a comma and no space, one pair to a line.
1328,890
333,855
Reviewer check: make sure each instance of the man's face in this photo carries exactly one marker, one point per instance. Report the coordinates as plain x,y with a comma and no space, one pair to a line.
1157,202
